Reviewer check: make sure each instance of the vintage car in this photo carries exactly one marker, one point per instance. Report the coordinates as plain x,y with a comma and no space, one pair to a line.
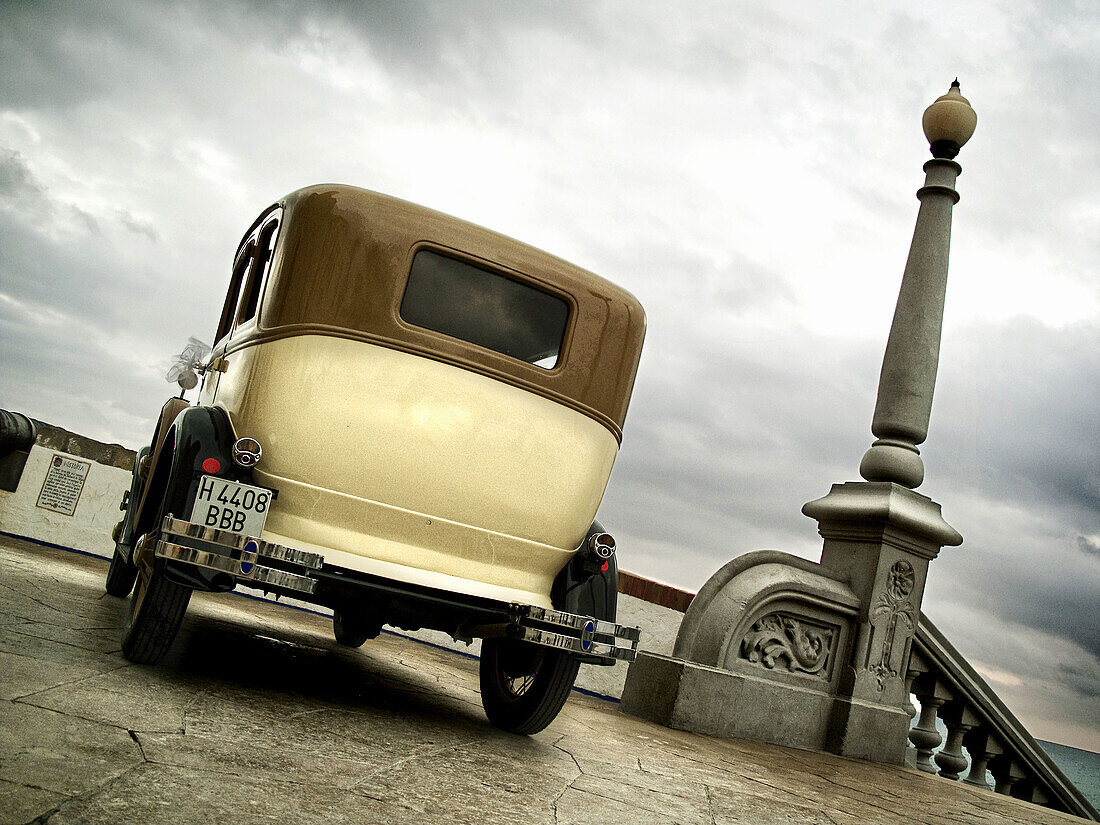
410,420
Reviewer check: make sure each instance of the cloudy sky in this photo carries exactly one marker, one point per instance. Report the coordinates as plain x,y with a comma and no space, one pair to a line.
748,170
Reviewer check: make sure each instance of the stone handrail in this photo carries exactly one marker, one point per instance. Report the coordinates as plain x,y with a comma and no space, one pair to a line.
947,686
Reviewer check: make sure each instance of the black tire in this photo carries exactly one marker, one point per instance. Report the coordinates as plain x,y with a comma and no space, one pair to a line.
524,687
156,611
351,629
121,574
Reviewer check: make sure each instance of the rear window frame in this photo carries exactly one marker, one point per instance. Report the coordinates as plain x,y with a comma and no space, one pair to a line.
493,269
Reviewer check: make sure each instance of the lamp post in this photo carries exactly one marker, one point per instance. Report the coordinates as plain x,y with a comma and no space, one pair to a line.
880,534
838,634
909,367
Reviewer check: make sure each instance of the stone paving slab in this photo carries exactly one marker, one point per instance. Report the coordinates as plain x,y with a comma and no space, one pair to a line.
258,716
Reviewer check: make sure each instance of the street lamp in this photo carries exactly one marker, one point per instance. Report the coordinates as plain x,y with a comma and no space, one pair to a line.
909,367
861,604
949,123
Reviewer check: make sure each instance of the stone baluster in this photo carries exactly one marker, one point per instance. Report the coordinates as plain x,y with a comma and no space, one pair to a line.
925,738
1006,773
916,668
958,720
982,747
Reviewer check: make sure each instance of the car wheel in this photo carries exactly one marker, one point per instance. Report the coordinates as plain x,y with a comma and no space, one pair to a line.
524,687
156,606
121,574
351,630
156,611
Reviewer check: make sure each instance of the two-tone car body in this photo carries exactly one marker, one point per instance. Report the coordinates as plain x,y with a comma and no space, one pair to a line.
408,419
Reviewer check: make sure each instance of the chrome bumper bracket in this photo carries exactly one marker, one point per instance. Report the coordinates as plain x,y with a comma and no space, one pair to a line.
576,633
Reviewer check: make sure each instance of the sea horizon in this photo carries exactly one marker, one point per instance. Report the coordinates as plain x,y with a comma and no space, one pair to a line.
1081,767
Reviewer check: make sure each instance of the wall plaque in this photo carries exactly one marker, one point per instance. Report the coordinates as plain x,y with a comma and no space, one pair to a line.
64,482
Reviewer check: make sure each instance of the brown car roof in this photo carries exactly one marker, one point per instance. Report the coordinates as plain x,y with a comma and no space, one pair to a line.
341,265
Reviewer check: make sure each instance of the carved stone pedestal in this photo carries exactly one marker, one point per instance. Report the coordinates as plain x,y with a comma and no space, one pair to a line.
779,649
879,538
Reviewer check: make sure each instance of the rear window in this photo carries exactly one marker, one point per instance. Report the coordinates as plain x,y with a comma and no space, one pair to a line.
484,308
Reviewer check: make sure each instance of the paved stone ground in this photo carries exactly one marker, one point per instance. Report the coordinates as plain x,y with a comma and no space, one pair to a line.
257,716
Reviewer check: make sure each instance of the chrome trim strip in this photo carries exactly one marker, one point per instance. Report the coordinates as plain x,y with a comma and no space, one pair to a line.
291,555
593,637
245,569
575,644
589,636
190,530
203,558
578,623
280,578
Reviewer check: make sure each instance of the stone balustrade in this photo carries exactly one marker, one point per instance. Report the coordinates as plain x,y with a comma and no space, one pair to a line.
984,739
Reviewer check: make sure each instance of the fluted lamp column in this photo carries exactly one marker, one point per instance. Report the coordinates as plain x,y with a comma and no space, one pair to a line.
909,367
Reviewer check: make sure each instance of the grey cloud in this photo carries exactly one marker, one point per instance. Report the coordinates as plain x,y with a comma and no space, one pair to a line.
64,51
1013,455
1088,546
1008,575
21,193
1059,609
82,276
1016,411
1083,678
709,438
139,226
16,181
712,431
47,365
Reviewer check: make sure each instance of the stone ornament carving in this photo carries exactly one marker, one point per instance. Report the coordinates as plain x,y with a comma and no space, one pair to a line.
895,609
795,645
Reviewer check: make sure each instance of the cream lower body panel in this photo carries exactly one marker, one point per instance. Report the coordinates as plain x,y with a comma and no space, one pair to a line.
383,540
412,432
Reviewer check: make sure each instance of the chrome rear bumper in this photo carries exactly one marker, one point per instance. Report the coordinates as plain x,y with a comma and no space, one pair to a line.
255,562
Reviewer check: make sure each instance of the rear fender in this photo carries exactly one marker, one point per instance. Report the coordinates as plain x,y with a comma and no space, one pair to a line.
143,466
198,433
126,534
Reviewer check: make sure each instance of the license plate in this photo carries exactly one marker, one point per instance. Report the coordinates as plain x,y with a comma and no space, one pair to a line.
230,505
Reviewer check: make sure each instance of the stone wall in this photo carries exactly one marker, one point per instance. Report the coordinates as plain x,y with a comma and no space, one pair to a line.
88,529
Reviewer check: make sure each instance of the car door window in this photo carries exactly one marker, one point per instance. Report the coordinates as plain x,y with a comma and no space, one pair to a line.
253,286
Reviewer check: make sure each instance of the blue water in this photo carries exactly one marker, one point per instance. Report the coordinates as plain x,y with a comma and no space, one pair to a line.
1082,768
